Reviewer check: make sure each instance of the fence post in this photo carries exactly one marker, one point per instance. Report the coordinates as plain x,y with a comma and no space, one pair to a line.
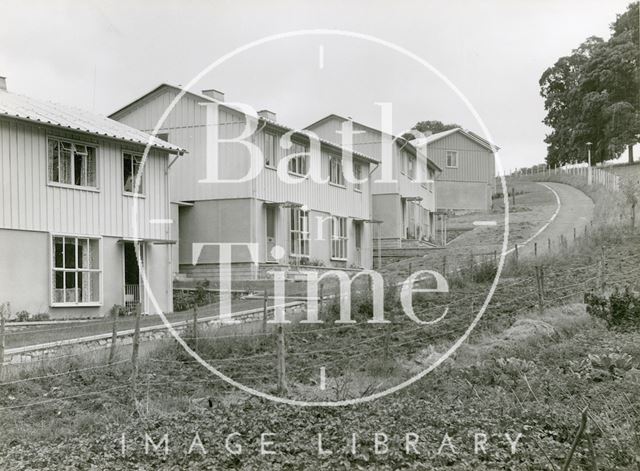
195,326
574,234
136,340
444,266
549,243
2,341
282,374
540,285
495,257
265,310
603,272
513,196
114,335
535,249
516,253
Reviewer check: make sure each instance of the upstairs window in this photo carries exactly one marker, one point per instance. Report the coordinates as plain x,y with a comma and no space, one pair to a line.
298,165
71,163
335,170
271,146
452,159
357,173
299,233
76,271
131,164
339,238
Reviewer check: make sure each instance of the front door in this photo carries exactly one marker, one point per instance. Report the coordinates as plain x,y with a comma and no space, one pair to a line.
357,225
132,279
271,231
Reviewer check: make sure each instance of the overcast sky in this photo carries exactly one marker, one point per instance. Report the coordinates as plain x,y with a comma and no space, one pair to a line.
101,55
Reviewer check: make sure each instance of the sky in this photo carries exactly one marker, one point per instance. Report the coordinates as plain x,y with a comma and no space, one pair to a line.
101,55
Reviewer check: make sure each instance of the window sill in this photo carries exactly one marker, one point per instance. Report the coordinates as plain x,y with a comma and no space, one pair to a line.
299,175
336,259
134,195
357,189
75,305
337,185
451,166
73,187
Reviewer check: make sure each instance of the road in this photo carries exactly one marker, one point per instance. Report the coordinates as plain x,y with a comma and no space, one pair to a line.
573,210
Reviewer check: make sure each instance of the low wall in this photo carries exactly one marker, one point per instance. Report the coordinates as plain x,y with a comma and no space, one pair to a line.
125,337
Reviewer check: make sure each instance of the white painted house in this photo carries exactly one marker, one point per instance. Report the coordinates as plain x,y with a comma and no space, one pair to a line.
306,223
406,206
66,202
467,182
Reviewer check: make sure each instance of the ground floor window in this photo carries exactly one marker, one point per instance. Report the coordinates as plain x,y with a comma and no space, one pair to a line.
76,270
339,238
299,233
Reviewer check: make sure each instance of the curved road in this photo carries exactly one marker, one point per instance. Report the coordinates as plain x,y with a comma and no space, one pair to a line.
574,210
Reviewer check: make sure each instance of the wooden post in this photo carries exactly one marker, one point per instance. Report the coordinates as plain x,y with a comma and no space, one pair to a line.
265,300
136,340
575,236
516,253
513,196
495,257
410,271
535,249
2,340
444,266
540,284
195,327
603,272
576,440
549,243
114,335
282,374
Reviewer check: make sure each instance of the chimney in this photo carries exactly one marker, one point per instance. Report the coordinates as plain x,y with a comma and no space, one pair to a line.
266,114
3,83
215,94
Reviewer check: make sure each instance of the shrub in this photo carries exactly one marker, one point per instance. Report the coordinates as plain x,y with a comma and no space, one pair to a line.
22,316
41,316
621,308
118,310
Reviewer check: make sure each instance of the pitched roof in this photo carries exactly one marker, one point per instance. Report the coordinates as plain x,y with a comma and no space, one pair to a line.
120,112
66,117
398,139
471,135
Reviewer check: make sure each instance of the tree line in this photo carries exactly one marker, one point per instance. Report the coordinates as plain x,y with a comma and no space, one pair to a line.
593,96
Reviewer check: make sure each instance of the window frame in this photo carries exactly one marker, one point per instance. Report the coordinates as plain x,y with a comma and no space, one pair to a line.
357,174
53,269
339,238
133,155
275,145
299,160
299,232
446,156
335,163
73,143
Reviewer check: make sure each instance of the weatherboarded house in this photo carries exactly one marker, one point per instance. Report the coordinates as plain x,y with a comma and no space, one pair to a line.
67,199
404,207
301,224
467,181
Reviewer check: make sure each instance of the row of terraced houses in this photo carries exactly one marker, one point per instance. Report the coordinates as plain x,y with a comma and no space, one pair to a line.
83,228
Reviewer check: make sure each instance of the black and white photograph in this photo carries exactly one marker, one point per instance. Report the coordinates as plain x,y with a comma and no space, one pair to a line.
302,235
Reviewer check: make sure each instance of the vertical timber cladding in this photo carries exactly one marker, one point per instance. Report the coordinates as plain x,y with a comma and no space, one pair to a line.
470,185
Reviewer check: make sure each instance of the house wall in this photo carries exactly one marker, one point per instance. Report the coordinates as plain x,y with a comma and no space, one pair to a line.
385,206
29,202
471,184
31,209
25,280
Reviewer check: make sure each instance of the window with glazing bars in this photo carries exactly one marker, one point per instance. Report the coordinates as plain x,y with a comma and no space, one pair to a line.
76,270
299,233
71,163
339,238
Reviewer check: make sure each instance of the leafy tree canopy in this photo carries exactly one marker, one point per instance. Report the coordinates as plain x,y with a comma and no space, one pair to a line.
593,95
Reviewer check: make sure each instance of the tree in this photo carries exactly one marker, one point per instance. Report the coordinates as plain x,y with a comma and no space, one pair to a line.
434,126
593,95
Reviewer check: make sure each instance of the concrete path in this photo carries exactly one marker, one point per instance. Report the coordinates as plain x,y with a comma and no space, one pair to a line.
574,210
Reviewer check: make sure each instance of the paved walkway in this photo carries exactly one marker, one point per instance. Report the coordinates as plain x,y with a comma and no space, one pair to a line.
574,210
